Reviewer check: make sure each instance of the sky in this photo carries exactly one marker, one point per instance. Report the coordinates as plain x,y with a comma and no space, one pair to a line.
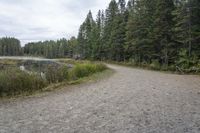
39,20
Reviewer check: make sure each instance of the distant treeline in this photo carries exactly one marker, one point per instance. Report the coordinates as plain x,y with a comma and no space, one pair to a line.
52,49
10,47
49,49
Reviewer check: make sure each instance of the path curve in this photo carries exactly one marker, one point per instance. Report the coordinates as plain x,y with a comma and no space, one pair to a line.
130,101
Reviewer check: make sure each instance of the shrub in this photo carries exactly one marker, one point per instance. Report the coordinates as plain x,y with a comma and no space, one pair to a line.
55,75
15,82
155,65
144,64
86,69
172,68
130,62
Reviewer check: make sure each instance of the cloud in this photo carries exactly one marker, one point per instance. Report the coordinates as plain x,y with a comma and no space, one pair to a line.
34,20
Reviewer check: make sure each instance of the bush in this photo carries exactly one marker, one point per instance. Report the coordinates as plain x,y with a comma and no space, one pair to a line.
144,64
83,70
132,62
15,82
55,75
155,65
172,68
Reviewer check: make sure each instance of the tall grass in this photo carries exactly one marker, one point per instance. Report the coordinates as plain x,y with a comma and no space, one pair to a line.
85,69
14,82
56,75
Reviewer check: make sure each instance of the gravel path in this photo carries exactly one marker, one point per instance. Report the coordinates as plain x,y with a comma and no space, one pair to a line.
130,101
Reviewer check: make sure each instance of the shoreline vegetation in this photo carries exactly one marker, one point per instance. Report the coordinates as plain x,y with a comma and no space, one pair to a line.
15,81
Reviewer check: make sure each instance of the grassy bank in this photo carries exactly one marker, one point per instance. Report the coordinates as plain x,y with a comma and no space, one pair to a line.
14,82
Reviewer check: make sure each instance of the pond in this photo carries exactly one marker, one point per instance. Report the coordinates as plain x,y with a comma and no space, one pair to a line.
31,64
26,58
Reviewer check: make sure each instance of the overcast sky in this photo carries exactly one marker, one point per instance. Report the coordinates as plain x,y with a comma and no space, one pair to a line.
34,20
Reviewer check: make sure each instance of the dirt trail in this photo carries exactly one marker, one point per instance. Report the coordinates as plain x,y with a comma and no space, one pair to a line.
130,101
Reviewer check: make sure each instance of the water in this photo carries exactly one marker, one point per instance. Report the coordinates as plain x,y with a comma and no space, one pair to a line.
40,60
26,58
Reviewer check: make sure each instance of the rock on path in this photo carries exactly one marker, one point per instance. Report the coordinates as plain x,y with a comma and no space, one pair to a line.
130,101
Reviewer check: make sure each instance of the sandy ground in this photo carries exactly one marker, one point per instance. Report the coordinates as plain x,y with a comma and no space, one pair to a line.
130,101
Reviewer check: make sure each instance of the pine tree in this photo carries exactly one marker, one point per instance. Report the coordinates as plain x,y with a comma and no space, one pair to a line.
111,14
163,31
97,36
101,36
130,28
193,8
122,6
187,32
139,42
85,37
130,5
118,32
